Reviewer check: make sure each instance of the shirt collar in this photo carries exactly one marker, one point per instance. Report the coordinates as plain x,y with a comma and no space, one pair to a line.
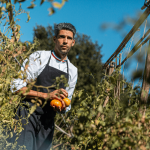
57,58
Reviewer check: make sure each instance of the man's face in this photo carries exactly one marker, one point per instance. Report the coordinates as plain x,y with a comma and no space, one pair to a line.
64,41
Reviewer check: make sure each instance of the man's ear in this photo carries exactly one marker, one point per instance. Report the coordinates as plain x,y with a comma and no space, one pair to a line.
54,39
73,42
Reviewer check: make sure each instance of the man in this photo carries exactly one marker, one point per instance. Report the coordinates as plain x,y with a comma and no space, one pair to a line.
45,66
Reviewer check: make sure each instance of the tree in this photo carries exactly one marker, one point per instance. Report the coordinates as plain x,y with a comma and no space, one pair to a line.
45,37
85,55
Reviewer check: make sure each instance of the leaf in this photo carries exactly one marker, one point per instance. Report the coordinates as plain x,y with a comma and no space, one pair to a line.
33,108
1,86
22,0
97,122
57,5
8,5
115,145
57,79
3,8
112,80
42,1
66,85
80,93
11,134
62,76
51,11
100,108
28,17
31,6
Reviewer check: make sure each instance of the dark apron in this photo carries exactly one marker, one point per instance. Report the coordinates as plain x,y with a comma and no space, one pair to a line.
38,133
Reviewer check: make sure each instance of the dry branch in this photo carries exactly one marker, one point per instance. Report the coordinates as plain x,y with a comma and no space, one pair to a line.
62,131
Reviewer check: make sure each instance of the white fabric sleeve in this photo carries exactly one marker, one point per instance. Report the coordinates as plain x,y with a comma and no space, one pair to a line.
70,90
31,72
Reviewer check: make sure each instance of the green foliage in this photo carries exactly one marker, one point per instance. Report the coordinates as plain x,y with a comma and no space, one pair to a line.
121,123
45,37
86,56
12,55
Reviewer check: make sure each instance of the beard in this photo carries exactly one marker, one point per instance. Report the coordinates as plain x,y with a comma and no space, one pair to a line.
64,51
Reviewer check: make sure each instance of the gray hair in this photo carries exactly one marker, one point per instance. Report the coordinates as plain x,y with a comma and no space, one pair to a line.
66,26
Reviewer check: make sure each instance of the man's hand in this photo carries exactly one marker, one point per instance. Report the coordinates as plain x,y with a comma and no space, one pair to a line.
59,95
59,109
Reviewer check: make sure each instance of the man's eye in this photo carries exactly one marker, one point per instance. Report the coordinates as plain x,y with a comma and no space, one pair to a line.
61,36
70,38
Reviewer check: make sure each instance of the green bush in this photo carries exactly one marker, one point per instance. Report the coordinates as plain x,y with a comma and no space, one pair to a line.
123,123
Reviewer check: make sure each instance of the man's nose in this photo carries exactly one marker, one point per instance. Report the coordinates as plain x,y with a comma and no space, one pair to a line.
65,40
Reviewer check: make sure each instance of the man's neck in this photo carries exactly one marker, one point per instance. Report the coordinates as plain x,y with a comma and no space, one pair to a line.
61,56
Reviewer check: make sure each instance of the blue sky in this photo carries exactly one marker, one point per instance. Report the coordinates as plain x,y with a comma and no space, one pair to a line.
87,16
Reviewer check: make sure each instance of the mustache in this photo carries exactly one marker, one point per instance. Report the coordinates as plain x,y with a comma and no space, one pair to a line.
63,46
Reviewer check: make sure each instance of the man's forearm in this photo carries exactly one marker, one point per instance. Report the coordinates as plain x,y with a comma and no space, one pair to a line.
32,94
46,96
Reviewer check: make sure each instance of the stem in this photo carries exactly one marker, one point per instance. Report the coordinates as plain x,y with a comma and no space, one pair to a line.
62,130
60,136
59,145
11,20
8,63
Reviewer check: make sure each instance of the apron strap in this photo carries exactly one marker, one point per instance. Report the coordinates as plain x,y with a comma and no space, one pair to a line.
67,67
49,59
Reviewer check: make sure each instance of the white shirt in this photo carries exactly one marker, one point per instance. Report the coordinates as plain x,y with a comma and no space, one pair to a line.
38,61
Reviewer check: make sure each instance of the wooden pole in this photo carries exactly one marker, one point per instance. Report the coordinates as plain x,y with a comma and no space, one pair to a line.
145,85
116,88
123,78
120,58
119,77
116,61
147,3
107,70
111,70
